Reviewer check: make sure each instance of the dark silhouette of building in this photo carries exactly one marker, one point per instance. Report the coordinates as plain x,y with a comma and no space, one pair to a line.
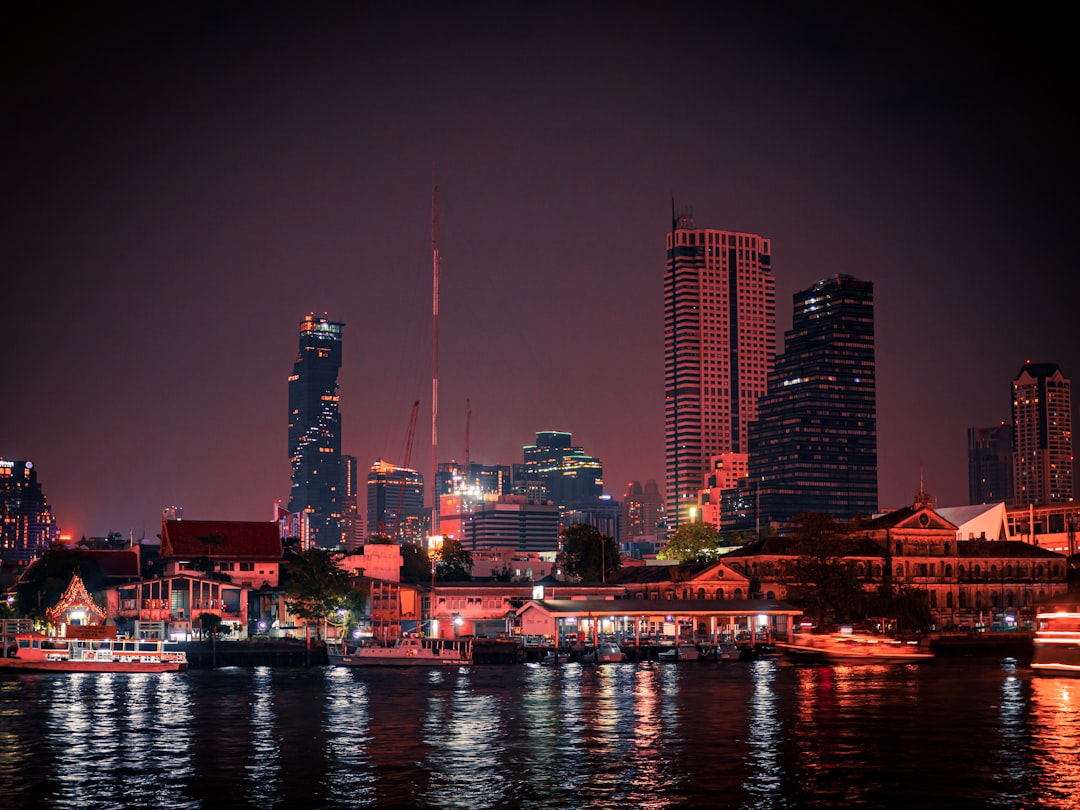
1042,436
27,524
813,447
990,464
554,470
315,432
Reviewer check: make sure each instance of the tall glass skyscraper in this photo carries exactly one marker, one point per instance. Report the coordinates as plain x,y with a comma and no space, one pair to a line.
1042,436
719,345
27,524
315,431
813,447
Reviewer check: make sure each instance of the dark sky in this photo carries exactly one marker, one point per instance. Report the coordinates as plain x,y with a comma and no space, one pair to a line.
184,182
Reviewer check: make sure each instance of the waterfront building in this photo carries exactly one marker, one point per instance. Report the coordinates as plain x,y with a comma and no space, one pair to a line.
968,582
1042,436
395,503
990,473
27,524
1050,526
719,346
315,431
813,447
555,471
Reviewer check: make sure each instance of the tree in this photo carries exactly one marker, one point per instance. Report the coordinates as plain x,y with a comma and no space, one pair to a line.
415,563
453,562
820,581
44,582
587,553
317,589
692,542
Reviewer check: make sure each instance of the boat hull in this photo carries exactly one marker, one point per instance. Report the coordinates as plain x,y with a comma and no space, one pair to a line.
396,661
852,650
16,665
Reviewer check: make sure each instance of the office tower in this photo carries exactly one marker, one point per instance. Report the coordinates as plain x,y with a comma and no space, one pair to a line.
27,524
643,511
554,470
990,464
1042,436
512,521
395,502
813,447
315,431
352,521
719,344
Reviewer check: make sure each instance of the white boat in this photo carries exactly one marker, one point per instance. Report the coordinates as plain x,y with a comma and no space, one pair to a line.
407,651
34,652
1057,640
606,652
555,657
851,648
683,652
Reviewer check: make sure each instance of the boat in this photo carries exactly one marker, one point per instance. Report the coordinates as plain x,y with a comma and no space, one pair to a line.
606,652
408,651
36,652
1057,640
683,652
555,657
850,648
723,652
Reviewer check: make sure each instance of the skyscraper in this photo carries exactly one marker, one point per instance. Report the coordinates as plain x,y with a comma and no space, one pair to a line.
315,431
719,344
554,470
990,470
395,503
1042,436
813,447
27,524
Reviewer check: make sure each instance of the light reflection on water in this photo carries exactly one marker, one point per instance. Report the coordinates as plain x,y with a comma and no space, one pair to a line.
745,735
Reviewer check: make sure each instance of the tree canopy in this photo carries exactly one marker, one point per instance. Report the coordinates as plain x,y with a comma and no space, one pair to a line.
692,542
453,562
316,588
819,580
44,582
587,553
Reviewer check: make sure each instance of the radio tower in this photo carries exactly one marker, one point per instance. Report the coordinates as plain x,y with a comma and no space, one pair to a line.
434,356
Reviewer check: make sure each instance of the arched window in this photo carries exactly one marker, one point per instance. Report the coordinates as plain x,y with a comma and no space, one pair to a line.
860,570
899,571
948,600
719,593
1039,570
899,548
738,593
770,595
948,571
701,593
976,571
933,599
963,600
948,545
877,570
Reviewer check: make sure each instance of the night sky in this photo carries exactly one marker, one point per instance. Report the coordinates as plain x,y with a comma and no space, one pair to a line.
184,182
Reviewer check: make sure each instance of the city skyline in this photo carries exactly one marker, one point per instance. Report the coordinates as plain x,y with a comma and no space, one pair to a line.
185,182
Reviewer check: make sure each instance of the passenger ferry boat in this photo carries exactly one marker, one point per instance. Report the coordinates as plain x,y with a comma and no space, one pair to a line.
408,651
36,652
1057,640
851,648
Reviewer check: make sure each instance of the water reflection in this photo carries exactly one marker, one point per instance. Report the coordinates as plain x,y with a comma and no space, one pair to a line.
1055,738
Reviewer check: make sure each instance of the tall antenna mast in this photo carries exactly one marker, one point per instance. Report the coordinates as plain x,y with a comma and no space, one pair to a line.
434,354
468,418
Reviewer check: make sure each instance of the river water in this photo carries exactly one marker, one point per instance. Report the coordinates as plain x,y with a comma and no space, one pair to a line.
968,733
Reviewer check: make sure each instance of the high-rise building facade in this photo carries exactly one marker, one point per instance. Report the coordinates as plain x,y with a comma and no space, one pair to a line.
990,472
554,470
315,431
395,503
643,511
719,346
813,447
1042,436
352,521
27,524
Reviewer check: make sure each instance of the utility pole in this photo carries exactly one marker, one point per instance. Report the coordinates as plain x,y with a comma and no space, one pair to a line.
434,355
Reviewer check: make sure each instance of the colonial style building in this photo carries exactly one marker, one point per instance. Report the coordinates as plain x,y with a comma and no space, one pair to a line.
968,582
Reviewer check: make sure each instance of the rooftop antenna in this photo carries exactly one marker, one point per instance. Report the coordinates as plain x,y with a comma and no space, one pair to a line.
468,419
434,353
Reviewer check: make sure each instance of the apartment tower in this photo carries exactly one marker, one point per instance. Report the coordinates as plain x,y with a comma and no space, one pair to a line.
315,432
1042,436
719,343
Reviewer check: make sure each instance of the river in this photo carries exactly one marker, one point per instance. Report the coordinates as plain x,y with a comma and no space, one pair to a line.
963,733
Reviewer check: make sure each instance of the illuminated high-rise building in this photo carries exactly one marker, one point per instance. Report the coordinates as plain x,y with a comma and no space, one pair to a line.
27,524
315,431
990,464
1042,436
813,447
719,344
556,471
395,503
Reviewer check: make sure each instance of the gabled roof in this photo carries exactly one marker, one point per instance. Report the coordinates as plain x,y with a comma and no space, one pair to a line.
910,517
645,574
219,539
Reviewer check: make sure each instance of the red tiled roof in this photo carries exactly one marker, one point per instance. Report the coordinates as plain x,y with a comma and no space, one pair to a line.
219,539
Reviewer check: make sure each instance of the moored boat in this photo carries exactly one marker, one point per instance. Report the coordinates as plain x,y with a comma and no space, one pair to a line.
606,652
1057,640
683,652
407,651
36,652
851,648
